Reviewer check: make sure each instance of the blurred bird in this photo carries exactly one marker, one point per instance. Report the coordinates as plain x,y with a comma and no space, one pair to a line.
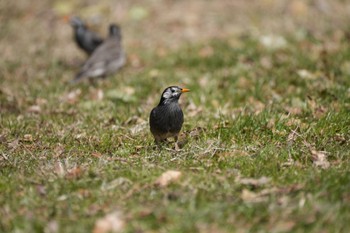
167,118
107,59
85,39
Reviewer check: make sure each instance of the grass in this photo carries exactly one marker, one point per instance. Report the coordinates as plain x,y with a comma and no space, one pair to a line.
70,154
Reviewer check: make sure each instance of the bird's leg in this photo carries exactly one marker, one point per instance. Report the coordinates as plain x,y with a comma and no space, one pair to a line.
92,82
176,138
158,141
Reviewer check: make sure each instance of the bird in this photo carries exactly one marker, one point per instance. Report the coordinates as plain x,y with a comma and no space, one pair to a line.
85,39
107,59
167,118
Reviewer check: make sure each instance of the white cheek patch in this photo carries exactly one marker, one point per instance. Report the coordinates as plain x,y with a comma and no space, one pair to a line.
167,95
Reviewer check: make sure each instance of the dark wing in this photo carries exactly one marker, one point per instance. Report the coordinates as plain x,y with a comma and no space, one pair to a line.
87,40
176,120
94,40
166,118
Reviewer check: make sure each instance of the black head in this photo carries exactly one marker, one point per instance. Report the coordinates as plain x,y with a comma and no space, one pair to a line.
76,22
172,94
114,30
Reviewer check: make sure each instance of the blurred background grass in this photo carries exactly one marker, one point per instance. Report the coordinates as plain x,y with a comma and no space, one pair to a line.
270,96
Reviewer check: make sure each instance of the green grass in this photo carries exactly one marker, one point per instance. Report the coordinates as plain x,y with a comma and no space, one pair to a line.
247,101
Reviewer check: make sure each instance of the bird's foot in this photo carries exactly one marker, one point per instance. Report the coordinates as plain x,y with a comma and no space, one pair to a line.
177,148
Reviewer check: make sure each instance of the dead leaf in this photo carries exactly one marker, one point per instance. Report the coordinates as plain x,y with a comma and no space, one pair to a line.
41,101
255,182
83,193
80,136
58,151
135,60
41,189
34,109
298,8
257,105
293,122
271,124
139,147
52,227
94,209
273,41
206,52
168,177
251,197
14,144
72,97
320,159
96,94
266,62
28,138
243,83
139,124
340,138
144,213
59,169
112,222
196,132
290,189
293,110
285,226
210,227
96,154
288,163
292,136
317,110
121,183
2,138
75,172
305,74
138,128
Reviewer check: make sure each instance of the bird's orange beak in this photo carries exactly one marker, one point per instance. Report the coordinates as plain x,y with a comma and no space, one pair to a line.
185,90
66,18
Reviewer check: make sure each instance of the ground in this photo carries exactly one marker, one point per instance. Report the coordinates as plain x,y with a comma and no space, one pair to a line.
265,143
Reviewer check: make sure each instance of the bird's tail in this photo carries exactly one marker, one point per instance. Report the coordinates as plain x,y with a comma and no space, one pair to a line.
78,77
